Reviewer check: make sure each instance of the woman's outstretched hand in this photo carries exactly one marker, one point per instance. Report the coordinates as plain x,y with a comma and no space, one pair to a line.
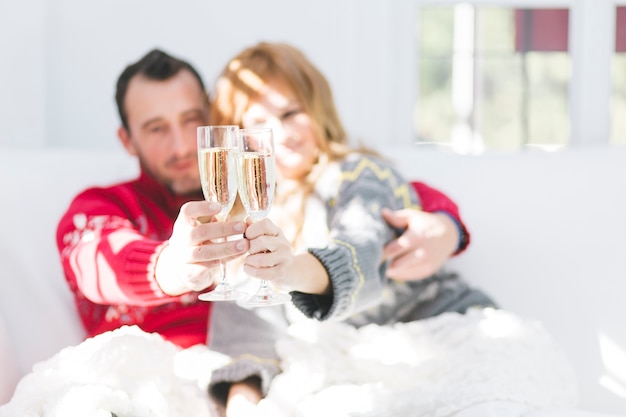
270,257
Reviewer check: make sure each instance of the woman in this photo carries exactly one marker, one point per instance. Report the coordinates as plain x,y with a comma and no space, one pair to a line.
325,236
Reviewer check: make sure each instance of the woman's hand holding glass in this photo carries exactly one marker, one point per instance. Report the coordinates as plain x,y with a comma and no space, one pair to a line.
270,253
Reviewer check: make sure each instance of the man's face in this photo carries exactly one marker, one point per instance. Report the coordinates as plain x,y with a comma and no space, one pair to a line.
162,120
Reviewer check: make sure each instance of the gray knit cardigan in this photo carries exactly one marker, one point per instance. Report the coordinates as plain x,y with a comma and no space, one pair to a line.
353,194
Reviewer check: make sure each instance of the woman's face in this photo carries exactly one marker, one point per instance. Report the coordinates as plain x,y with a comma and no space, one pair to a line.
296,147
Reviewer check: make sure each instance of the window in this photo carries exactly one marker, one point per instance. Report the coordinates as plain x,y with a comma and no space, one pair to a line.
493,77
618,78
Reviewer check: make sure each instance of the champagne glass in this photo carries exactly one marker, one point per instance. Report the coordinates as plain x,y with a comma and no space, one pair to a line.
217,146
256,174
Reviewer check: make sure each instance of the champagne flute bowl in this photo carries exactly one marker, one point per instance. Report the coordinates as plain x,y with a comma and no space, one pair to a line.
217,149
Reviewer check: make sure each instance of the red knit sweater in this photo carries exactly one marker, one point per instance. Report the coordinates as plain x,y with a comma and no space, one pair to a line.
109,240
433,200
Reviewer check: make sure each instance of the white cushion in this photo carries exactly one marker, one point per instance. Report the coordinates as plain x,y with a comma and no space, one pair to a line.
35,301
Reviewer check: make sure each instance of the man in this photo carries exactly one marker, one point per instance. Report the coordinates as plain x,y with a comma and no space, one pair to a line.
135,254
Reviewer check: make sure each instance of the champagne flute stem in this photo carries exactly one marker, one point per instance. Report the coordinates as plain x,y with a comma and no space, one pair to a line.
265,290
223,280
223,285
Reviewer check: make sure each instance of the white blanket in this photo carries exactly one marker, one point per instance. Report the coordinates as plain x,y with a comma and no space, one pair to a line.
433,368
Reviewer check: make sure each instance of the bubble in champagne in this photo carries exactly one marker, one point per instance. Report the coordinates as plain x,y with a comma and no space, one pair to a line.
256,178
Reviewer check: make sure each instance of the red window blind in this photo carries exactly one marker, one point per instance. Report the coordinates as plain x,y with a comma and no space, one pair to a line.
544,30
620,29
547,29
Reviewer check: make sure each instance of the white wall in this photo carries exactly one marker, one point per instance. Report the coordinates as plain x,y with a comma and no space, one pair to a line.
60,62
60,59
22,73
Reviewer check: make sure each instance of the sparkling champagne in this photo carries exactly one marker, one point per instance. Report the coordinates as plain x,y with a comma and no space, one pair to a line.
219,177
256,175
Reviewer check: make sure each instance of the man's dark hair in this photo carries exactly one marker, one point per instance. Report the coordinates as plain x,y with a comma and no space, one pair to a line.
155,65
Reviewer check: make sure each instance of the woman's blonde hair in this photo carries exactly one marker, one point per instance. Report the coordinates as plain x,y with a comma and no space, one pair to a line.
242,81
244,76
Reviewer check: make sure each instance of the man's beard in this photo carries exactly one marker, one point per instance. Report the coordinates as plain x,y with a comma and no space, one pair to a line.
184,186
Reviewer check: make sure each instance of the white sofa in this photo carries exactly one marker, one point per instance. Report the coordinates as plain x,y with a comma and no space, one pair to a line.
548,242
